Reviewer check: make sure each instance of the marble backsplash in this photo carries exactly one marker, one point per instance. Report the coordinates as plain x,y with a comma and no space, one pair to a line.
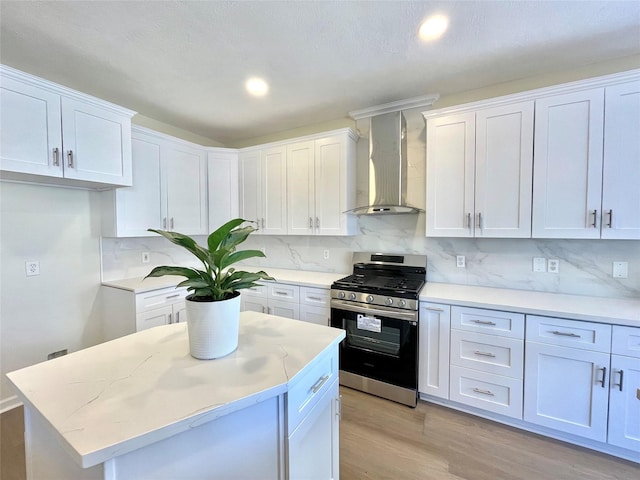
585,265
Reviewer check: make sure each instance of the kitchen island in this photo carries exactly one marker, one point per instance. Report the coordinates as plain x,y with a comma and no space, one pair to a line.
141,407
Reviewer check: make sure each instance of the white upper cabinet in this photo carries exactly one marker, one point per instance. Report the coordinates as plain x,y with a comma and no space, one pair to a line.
587,164
320,176
262,186
567,181
479,169
55,135
621,169
168,192
223,186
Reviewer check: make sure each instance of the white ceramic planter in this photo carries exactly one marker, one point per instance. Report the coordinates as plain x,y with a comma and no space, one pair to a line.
213,327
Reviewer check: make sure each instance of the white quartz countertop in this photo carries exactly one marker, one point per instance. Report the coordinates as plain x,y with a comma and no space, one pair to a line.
297,277
121,395
597,309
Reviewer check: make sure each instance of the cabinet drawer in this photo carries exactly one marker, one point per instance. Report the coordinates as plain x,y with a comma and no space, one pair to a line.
258,291
309,388
488,353
626,341
159,298
505,324
284,292
494,393
317,297
570,333
153,318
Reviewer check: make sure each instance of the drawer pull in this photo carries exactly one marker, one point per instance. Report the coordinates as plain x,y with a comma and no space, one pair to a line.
484,392
284,294
484,354
317,299
56,157
434,309
318,385
565,334
172,296
619,385
484,322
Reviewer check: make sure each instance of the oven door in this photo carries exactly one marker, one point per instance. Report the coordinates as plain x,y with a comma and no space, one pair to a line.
380,343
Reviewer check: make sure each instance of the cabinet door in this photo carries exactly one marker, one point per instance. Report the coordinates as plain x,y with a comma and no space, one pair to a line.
253,304
317,315
222,172
313,445
567,389
433,368
250,187
567,178
624,403
284,309
300,188
30,131
274,191
621,173
97,144
450,175
138,208
185,172
331,186
153,318
504,171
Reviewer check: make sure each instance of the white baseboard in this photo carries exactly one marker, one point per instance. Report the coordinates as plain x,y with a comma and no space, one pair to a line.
10,403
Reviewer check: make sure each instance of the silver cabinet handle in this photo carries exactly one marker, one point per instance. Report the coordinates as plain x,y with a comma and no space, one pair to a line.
434,309
317,299
317,223
172,296
164,223
619,385
318,385
177,317
484,392
566,334
484,322
469,220
171,223
604,376
56,157
595,218
279,293
263,223
263,310
610,224
170,321
484,354
70,158
311,223
479,223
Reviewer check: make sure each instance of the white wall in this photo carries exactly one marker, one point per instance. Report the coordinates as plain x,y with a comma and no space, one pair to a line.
59,227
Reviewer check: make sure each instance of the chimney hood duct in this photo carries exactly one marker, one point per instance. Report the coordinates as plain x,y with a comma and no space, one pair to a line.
387,167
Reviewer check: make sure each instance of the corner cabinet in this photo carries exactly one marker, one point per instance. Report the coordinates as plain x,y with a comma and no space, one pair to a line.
320,179
51,134
222,172
169,189
479,169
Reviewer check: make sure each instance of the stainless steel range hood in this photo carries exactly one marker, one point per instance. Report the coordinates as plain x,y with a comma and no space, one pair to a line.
387,167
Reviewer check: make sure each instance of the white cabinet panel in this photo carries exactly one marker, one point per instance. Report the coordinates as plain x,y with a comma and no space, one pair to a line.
488,353
494,322
621,173
569,333
624,403
567,389
250,186
222,171
568,165
301,188
317,315
274,191
433,357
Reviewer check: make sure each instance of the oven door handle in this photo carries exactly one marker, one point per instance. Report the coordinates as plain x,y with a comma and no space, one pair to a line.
366,309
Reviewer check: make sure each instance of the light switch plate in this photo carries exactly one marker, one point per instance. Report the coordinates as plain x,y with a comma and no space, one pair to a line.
620,269
539,264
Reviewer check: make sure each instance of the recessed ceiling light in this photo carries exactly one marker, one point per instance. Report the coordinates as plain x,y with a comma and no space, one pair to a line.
257,87
433,27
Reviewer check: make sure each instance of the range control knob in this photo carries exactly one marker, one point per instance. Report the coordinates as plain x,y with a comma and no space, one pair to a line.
402,303
352,296
369,298
341,295
389,301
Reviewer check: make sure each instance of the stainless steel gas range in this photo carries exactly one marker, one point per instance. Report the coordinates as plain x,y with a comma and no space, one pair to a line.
378,307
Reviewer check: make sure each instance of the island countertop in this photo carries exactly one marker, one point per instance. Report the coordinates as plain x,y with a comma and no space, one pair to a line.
122,395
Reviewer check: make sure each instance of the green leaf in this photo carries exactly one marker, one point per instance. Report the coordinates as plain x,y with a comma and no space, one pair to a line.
236,257
216,237
236,237
181,271
186,242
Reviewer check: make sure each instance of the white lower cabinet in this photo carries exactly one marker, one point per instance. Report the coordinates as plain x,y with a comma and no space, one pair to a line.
313,416
127,312
433,357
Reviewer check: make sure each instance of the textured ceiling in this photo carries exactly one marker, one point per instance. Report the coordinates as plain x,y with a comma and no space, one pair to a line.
185,63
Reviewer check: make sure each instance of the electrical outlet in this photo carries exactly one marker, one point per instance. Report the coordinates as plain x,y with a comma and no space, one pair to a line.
539,264
325,254
32,267
145,257
620,269
461,261
554,265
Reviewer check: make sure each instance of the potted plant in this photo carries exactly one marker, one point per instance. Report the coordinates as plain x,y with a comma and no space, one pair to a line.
213,305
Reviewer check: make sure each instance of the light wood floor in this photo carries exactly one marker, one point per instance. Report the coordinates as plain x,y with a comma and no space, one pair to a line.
382,440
